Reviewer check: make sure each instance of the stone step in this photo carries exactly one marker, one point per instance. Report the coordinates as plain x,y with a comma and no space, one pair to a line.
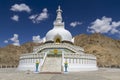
52,64
50,72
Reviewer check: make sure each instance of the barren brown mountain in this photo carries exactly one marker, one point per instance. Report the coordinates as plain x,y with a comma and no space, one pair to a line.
10,54
106,50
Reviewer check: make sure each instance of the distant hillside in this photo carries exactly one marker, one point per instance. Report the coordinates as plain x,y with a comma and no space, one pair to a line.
10,54
106,50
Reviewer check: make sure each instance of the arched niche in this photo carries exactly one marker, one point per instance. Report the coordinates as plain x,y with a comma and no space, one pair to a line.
57,39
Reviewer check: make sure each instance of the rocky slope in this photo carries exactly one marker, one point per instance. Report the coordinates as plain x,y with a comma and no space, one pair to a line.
10,54
106,50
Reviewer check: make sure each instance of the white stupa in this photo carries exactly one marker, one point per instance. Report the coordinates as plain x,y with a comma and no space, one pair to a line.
58,32
58,50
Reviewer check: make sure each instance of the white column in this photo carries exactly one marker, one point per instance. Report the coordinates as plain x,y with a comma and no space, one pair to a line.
33,60
87,61
69,60
82,61
90,61
73,61
93,62
26,61
21,60
77,60
29,60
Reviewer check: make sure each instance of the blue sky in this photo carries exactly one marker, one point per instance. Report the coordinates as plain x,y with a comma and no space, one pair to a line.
27,20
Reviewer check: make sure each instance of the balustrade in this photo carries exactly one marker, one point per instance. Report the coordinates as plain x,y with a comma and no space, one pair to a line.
61,45
80,59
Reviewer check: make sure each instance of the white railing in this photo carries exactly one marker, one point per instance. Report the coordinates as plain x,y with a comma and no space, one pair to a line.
80,58
74,47
31,55
71,55
61,45
62,60
44,58
8,70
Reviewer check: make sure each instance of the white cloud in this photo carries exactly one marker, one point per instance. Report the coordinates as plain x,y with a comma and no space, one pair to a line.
104,25
33,18
37,39
6,41
37,18
15,40
75,23
20,8
43,39
15,18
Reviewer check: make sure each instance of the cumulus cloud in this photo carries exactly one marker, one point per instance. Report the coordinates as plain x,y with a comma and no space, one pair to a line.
37,39
5,41
33,18
43,39
15,40
37,18
104,25
20,8
15,18
75,23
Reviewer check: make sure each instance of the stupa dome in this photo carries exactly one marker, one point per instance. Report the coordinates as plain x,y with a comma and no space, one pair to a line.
58,33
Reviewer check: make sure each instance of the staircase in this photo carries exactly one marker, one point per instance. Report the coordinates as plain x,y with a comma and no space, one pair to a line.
52,64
